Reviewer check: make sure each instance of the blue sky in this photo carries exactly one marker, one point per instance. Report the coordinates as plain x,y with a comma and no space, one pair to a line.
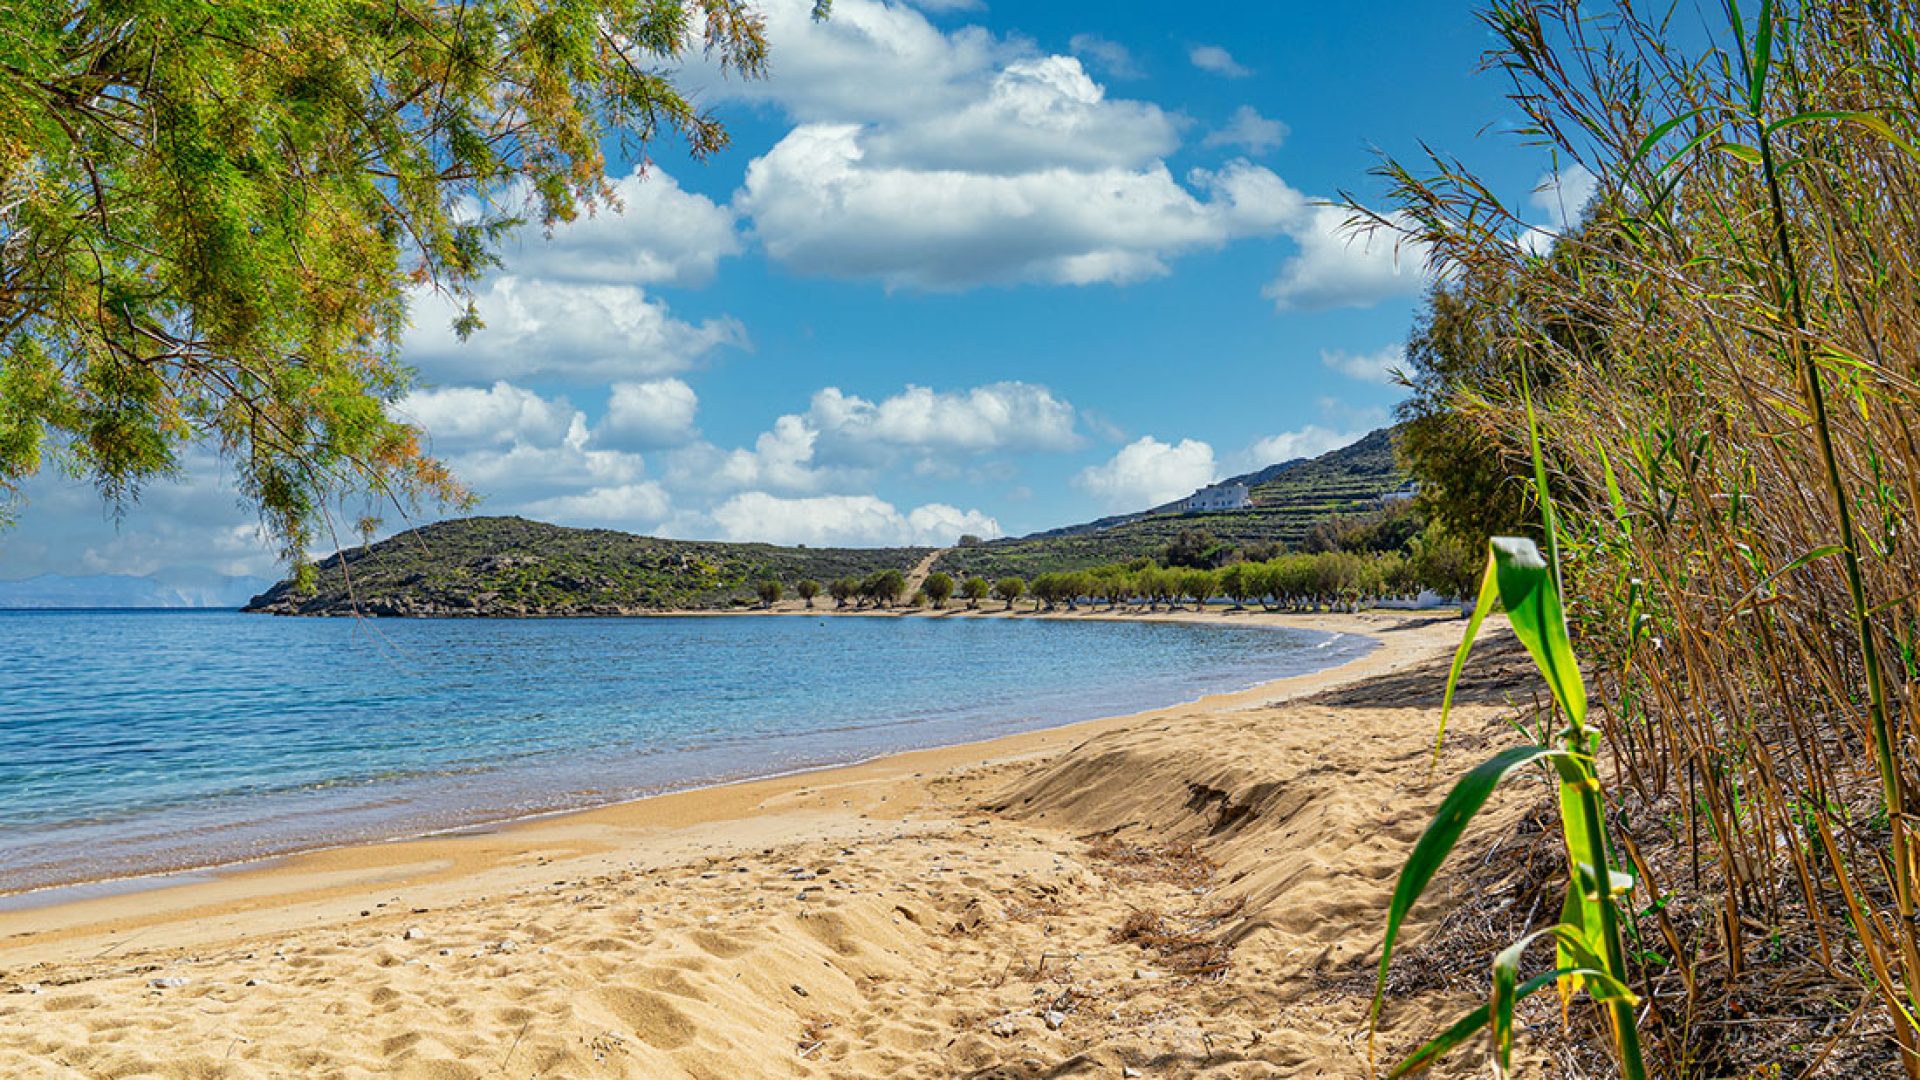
967,267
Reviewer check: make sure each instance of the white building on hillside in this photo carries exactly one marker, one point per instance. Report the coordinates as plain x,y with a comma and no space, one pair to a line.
1218,497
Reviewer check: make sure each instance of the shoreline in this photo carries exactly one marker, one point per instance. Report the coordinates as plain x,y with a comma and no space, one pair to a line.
1191,890
97,901
56,894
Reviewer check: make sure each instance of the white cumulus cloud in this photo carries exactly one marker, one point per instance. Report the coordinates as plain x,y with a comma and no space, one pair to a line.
1339,267
562,330
1042,113
657,233
1147,472
1249,131
949,160
1307,442
632,507
648,414
781,458
845,521
470,416
999,416
1377,366
820,209
575,306
1114,59
1217,60
844,439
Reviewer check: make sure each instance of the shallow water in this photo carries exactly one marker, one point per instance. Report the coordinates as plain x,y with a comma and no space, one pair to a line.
134,742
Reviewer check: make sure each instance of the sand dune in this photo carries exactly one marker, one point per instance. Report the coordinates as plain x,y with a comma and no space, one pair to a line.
1195,891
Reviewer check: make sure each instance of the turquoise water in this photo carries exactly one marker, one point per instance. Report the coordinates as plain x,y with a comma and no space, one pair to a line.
135,742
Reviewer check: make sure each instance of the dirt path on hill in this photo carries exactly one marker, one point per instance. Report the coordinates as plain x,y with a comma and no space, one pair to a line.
917,576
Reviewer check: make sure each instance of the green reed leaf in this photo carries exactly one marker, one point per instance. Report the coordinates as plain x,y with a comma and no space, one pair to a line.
1442,833
1762,58
1660,132
1532,601
1489,592
1681,154
1873,122
1500,1002
1467,1026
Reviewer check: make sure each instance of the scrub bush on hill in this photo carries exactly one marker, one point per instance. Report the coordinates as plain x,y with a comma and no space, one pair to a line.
511,566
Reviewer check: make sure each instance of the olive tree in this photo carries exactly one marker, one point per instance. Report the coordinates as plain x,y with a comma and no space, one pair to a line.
1009,589
939,589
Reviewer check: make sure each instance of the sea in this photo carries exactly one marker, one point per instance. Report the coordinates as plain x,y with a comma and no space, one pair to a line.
135,743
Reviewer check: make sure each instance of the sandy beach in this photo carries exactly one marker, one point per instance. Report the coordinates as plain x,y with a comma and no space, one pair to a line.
1191,891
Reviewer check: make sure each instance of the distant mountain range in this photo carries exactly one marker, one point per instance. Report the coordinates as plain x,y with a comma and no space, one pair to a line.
184,588
507,566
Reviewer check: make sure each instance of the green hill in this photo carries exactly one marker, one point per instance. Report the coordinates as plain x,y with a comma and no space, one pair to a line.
512,566
1288,500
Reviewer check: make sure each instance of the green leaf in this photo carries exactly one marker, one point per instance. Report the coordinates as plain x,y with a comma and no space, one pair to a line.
1762,58
1506,976
1549,524
1689,147
1442,833
1465,1028
1489,592
1661,131
1582,921
1581,964
1871,121
1533,607
1614,497
1580,912
1740,151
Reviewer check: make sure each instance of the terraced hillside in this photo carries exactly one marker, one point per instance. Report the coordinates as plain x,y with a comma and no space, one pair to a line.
512,566
1288,498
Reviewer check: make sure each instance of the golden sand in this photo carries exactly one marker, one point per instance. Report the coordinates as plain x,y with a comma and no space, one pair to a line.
1192,891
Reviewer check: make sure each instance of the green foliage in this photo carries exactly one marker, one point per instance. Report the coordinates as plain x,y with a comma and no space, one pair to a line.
213,217
1472,476
1195,548
769,591
883,587
1290,499
1059,588
939,589
511,566
1198,585
1391,528
1589,952
843,590
1009,589
807,589
975,589
1722,355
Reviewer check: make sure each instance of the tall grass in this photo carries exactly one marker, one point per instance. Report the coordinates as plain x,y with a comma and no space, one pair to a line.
1728,362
